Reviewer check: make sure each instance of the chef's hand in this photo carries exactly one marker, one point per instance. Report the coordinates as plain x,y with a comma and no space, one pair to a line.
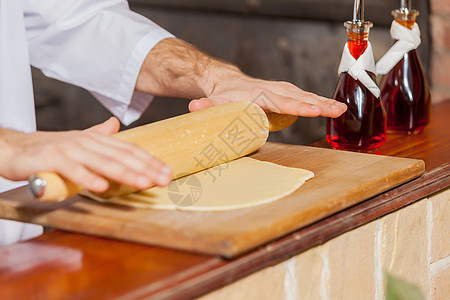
276,96
178,69
87,157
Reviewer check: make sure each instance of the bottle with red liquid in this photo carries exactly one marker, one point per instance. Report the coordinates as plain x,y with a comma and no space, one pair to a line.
363,126
405,90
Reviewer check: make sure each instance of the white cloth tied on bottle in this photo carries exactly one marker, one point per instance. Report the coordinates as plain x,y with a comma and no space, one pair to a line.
357,68
408,39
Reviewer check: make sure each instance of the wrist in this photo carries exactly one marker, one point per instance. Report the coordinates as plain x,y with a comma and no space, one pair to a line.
215,74
172,69
175,68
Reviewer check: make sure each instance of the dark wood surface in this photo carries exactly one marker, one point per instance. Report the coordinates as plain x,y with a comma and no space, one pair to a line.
431,145
233,232
60,264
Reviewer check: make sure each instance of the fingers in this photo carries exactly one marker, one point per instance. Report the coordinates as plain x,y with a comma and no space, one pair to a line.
108,127
113,147
122,162
329,107
121,170
86,158
82,176
286,105
199,104
308,105
277,96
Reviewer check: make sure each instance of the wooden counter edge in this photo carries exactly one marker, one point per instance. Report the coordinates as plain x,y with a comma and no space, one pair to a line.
435,179
308,237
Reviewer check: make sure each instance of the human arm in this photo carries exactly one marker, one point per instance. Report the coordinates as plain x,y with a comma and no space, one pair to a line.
87,157
69,43
178,69
84,43
55,48
97,45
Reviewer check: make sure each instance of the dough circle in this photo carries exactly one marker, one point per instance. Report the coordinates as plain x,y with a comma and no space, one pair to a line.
241,183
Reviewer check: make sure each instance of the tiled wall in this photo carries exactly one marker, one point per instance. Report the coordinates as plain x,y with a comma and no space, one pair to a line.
412,244
440,55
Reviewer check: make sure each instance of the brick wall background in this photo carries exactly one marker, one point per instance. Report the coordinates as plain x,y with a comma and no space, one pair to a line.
412,244
440,53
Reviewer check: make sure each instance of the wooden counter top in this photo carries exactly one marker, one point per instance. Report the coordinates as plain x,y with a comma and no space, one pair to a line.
59,264
431,145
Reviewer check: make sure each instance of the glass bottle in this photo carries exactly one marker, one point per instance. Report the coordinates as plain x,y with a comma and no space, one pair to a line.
363,126
405,90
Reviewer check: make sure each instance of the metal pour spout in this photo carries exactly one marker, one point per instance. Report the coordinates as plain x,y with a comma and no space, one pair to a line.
405,5
358,11
405,15
358,29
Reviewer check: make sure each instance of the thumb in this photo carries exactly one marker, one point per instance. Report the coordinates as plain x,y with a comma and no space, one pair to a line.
108,127
199,104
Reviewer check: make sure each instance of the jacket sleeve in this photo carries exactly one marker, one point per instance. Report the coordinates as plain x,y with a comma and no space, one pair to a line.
99,45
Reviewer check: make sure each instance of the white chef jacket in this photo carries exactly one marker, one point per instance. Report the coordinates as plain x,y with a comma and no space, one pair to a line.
99,45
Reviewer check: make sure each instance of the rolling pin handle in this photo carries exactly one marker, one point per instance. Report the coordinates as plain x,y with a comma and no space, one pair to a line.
36,186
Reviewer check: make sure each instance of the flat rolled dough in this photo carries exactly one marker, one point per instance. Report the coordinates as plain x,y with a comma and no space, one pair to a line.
241,183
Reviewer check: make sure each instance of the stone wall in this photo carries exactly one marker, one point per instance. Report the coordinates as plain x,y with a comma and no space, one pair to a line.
412,244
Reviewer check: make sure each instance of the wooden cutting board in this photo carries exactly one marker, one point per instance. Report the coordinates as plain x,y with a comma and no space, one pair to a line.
341,179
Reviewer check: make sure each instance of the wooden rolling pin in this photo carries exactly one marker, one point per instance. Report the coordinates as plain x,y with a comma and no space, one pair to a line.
188,143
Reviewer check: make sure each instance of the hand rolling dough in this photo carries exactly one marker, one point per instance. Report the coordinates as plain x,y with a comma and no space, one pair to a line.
237,184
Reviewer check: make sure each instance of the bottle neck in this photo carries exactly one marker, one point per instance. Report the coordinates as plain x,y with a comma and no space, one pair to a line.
357,43
405,17
407,24
358,35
